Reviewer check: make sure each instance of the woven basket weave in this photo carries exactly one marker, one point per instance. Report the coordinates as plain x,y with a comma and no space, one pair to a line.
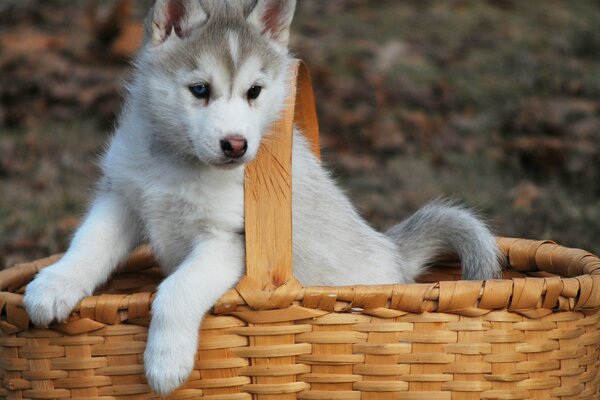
533,335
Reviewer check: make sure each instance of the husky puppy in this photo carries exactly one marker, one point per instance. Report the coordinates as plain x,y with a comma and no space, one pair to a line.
209,80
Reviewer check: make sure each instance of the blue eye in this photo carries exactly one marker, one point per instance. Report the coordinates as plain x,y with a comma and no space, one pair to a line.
200,91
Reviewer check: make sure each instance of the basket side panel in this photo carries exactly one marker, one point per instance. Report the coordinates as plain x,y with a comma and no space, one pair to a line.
218,363
336,356
445,356
274,349
590,340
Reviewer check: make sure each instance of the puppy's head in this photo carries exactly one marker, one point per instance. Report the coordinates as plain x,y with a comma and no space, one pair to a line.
211,76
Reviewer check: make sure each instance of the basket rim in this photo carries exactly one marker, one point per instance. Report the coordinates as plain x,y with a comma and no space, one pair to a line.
533,297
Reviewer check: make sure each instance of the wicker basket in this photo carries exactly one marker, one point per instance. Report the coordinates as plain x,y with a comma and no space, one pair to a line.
533,335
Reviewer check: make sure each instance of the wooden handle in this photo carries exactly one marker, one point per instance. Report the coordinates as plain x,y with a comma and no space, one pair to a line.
268,187
305,116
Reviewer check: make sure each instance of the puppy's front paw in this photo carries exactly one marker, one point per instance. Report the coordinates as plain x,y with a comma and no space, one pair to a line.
51,297
168,359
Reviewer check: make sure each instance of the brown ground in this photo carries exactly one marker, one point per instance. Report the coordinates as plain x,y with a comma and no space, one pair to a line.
495,103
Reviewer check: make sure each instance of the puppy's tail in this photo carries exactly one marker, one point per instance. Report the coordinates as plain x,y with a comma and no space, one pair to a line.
440,228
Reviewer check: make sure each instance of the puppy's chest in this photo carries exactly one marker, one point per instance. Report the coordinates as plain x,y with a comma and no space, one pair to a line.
178,214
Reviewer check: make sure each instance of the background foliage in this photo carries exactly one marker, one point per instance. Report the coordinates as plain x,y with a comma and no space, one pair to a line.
493,102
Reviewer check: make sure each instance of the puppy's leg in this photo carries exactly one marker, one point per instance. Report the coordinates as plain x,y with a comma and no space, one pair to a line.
214,266
107,235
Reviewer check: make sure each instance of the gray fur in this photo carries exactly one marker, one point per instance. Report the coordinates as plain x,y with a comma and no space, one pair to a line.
211,38
333,245
441,227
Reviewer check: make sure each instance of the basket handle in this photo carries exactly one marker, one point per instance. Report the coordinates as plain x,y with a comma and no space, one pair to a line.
268,187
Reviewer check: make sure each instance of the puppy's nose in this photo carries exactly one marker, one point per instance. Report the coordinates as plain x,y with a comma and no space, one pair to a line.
234,146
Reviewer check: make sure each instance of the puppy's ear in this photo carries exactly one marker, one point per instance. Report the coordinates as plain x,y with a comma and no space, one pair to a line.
169,18
272,18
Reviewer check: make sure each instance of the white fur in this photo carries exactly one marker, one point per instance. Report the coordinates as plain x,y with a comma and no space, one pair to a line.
167,182
104,239
214,265
232,40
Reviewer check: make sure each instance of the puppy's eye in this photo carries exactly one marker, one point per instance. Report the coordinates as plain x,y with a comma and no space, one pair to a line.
254,92
200,91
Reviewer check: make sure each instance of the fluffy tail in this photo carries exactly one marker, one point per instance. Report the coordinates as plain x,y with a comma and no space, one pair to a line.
440,228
